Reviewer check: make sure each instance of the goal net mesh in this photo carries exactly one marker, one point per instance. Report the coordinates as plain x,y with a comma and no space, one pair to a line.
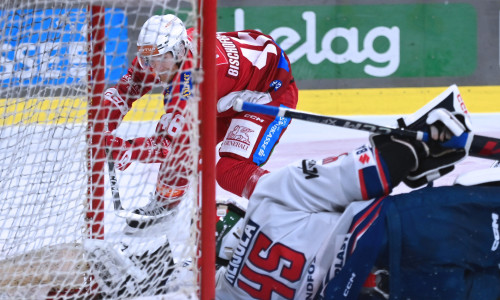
60,235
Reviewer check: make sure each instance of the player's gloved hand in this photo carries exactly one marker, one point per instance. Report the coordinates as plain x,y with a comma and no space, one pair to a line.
442,126
399,156
115,108
147,150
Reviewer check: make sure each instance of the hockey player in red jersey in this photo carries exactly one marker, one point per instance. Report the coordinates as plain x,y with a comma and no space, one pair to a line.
250,65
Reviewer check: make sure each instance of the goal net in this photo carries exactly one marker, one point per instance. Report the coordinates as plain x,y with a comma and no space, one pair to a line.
61,234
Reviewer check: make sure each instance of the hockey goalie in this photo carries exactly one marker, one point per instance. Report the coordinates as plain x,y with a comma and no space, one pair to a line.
328,229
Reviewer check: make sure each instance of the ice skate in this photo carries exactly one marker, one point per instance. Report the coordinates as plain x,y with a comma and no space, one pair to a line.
153,212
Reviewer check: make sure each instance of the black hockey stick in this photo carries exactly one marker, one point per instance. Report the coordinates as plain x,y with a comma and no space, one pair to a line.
481,146
117,203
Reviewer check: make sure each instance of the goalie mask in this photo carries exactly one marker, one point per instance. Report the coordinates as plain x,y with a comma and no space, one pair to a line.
160,35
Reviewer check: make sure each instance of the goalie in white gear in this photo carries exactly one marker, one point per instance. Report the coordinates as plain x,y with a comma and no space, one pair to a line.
296,232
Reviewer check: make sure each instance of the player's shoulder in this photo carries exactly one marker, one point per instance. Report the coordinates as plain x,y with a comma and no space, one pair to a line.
240,33
190,33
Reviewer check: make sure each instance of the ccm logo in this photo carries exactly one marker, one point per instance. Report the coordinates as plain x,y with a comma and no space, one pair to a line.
462,104
253,117
496,234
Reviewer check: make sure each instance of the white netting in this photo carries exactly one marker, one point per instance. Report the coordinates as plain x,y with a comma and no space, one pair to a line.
47,223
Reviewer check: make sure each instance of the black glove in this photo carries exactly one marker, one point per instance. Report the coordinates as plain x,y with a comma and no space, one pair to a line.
441,126
401,156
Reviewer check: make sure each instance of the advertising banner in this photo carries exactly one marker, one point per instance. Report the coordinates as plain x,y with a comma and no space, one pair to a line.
367,41
39,47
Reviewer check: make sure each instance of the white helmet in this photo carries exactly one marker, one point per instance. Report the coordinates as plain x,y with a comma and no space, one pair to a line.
162,34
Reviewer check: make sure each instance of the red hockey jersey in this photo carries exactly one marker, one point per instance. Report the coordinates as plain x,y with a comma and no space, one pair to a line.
249,65
247,61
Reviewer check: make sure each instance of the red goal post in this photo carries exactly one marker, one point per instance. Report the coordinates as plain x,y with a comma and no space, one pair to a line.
44,242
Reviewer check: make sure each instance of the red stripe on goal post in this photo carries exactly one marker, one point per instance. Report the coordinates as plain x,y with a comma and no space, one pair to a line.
207,114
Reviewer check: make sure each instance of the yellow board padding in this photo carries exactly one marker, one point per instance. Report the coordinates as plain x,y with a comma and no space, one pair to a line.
372,101
24,111
392,101
149,107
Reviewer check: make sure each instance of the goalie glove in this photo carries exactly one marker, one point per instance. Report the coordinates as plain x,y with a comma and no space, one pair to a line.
147,150
442,126
115,108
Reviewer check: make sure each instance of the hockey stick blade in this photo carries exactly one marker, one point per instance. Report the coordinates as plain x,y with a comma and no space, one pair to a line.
481,146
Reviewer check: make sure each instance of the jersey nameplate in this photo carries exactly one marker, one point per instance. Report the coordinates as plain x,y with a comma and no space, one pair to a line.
232,54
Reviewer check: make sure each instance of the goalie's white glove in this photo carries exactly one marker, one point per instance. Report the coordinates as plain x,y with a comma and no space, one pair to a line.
442,126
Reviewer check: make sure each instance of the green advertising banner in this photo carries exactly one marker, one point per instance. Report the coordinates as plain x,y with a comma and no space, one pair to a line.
367,41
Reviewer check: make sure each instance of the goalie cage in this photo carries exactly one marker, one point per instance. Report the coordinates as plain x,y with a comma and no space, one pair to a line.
59,236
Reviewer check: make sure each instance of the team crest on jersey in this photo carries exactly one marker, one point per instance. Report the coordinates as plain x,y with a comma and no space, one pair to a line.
241,137
240,134
126,78
364,159
276,84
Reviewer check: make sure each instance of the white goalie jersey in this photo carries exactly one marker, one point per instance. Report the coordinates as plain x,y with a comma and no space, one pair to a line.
281,253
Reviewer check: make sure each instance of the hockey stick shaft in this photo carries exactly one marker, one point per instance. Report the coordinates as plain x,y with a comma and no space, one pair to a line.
114,182
481,146
117,203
